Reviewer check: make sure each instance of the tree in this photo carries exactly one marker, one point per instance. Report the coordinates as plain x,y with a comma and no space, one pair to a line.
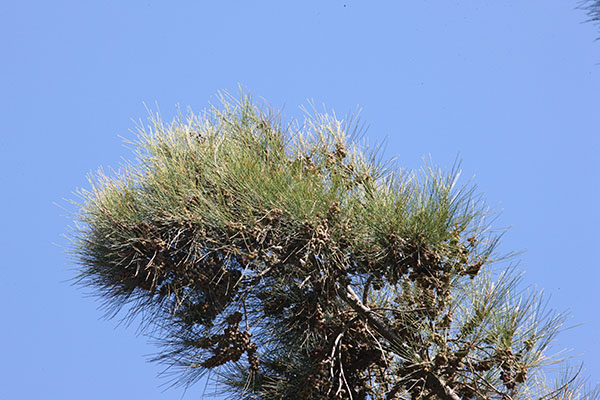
592,7
296,265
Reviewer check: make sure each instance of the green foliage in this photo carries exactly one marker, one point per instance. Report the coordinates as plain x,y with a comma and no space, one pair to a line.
294,264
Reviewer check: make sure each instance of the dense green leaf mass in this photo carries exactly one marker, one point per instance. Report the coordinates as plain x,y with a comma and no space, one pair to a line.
293,263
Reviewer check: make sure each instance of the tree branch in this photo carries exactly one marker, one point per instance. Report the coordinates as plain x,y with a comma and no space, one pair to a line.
380,325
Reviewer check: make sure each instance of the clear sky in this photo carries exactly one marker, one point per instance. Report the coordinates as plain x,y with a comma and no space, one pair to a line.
511,86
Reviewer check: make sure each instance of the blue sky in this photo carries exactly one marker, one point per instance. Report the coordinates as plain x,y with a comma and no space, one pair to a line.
513,87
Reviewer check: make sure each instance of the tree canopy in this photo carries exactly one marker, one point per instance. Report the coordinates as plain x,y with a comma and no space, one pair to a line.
292,262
